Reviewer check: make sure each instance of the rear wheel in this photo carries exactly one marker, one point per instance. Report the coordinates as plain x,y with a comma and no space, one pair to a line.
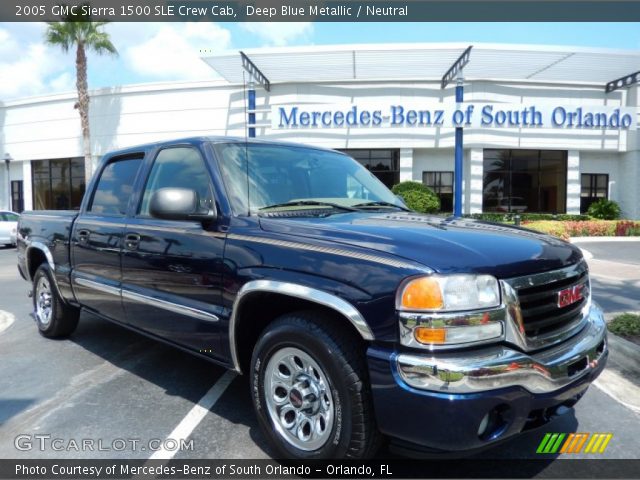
311,391
53,317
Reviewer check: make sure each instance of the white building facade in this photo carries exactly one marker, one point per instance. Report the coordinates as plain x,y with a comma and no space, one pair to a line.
558,164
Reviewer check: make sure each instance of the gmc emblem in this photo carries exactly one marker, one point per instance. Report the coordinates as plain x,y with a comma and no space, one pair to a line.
570,295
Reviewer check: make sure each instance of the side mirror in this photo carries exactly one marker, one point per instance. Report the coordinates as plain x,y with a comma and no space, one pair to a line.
178,204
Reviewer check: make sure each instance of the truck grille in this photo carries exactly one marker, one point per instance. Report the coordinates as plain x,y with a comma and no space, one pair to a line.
542,313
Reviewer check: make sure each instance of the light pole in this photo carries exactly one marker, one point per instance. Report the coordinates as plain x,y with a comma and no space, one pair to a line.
7,162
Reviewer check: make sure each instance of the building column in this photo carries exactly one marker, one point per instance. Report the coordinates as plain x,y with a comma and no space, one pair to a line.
406,165
474,183
573,182
27,185
628,188
4,187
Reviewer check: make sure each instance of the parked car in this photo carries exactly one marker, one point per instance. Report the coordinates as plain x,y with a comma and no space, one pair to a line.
506,204
8,228
354,317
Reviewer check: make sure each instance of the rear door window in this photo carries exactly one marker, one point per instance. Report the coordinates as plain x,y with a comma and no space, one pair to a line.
115,187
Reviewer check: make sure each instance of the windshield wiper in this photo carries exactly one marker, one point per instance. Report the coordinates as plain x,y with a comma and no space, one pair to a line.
381,204
310,203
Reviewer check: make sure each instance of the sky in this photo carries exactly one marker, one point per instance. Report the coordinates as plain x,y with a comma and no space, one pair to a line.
157,52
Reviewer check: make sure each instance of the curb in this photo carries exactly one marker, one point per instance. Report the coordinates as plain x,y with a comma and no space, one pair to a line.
603,239
627,353
608,316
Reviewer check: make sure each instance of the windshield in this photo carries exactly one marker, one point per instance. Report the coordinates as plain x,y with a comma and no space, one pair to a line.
284,174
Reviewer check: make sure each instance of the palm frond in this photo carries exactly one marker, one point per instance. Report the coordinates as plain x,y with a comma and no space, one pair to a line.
69,33
62,34
100,43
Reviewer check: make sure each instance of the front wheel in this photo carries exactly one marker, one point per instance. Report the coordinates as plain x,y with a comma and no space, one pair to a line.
54,317
310,389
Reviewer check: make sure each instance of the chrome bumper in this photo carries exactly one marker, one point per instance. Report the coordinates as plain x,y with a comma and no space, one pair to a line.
499,367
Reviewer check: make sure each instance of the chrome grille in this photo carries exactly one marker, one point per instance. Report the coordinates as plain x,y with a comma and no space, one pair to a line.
538,298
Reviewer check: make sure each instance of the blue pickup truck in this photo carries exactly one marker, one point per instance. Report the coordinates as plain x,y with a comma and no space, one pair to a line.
355,318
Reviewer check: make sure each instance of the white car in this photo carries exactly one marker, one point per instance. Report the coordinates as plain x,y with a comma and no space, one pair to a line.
8,227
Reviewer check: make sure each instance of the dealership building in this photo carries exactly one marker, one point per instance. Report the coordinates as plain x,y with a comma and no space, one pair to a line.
540,132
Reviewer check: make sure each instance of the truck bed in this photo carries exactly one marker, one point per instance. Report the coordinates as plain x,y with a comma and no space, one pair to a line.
51,229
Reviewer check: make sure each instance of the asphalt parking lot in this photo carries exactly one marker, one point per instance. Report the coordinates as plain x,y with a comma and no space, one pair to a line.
112,387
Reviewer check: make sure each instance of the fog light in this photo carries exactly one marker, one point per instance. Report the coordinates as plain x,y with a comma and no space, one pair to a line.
483,425
430,335
495,423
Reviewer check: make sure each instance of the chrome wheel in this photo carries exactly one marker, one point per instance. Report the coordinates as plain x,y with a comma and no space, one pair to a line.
298,399
43,298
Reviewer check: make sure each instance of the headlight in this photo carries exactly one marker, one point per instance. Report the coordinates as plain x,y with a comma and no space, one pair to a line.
447,293
450,310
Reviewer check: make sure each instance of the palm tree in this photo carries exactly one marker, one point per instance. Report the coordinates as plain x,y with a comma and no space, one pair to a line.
85,35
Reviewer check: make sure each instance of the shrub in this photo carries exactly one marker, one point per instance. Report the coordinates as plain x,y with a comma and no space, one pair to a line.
604,209
592,228
417,197
550,227
526,217
627,228
626,325
490,217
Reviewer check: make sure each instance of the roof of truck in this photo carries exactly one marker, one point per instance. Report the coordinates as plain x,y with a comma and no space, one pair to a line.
208,139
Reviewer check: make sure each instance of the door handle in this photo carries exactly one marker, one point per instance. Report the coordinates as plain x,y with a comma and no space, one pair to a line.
83,236
131,241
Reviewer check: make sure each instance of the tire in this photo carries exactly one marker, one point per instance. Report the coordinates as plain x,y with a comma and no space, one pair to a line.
53,316
310,389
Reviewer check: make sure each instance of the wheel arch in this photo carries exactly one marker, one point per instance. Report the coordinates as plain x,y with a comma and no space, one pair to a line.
38,253
295,297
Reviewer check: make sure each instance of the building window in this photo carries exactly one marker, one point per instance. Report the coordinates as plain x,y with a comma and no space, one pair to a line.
383,163
595,186
442,184
57,184
525,181
17,197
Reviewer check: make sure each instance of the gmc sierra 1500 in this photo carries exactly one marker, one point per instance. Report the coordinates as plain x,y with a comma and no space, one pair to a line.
354,317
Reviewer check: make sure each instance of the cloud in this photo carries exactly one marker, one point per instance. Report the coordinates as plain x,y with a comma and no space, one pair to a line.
147,52
172,51
28,66
279,33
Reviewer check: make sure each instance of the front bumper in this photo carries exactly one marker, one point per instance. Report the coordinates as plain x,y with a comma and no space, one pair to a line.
440,400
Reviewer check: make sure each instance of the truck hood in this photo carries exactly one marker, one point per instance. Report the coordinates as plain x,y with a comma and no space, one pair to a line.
446,245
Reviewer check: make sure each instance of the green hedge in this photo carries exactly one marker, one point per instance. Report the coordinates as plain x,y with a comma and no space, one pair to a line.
417,197
527,217
592,228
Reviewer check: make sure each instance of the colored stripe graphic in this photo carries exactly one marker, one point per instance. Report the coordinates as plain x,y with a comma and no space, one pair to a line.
551,443
598,443
543,443
556,443
580,443
565,447
606,442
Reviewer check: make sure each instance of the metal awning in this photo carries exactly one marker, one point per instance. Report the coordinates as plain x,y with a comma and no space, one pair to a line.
574,65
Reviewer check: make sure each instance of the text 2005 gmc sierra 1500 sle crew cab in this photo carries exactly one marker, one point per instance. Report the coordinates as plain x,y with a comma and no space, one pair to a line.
355,318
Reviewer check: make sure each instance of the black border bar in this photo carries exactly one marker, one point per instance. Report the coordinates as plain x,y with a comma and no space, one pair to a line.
549,467
331,11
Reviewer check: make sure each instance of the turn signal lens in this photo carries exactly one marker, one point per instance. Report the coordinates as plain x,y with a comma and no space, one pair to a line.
422,294
451,293
430,335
